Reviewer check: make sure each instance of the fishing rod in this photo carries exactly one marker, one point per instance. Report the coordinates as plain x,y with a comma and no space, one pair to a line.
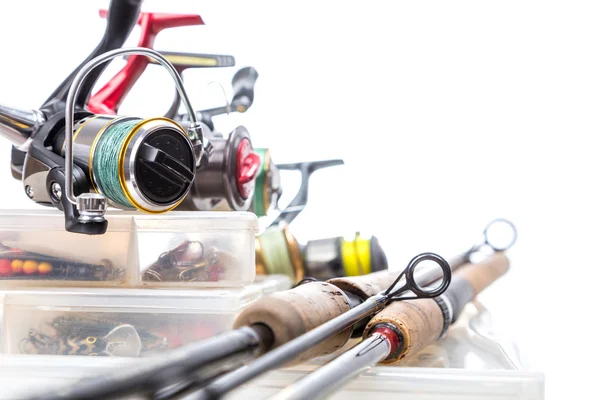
331,335
400,330
270,313
289,314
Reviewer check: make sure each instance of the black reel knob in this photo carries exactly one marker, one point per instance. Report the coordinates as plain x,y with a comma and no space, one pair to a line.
164,166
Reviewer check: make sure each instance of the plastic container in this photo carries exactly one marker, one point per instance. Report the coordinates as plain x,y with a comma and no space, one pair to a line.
176,249
471,363
120,322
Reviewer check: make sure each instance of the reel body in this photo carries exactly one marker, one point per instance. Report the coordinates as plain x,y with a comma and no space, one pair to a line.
227,181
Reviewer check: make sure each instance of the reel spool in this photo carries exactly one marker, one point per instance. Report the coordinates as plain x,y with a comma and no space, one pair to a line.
278,252
155,160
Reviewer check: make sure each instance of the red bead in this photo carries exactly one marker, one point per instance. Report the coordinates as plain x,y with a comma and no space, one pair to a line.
5,268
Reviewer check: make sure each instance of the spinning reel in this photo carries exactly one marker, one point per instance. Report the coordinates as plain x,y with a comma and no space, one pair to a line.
279,252
227,180
79,161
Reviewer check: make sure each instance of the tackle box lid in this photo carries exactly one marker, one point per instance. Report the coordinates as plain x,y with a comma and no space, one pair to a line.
184,221
156,300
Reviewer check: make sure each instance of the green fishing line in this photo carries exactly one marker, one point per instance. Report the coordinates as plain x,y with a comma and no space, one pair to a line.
259,188
106,161
275,252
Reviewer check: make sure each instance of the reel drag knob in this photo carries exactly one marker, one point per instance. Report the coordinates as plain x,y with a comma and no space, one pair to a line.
164,167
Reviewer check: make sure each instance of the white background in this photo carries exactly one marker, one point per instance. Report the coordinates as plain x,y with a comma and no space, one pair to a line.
448,114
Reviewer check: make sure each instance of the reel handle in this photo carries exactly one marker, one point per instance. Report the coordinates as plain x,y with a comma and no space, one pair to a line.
243,96
243,89
182,61
299,202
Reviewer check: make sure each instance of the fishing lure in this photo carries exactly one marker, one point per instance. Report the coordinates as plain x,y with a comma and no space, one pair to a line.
188,262
89,336
19,264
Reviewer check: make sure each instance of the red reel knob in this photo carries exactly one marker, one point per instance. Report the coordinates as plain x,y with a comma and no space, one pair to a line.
248,164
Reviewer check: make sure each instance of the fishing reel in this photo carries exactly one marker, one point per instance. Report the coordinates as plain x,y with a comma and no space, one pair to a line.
227,179
80,162
279,252
255,173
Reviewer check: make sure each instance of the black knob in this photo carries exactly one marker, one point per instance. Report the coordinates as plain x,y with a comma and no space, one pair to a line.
164,166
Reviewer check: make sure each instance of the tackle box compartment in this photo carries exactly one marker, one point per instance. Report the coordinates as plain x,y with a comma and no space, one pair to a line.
473,362
120,322
175,249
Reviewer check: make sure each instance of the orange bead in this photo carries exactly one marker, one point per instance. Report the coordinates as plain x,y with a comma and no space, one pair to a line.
45,268
30,267
17,266
5,269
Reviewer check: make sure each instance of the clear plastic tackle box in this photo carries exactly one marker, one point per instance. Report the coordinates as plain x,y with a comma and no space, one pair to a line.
472,362
176,249
120,322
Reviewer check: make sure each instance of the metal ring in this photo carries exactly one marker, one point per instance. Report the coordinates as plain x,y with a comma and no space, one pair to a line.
195,129
496,221
426,292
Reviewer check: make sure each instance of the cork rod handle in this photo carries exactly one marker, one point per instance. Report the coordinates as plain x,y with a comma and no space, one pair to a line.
420,322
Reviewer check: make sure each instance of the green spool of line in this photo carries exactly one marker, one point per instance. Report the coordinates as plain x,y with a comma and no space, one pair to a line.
260,202
275,253
106,161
